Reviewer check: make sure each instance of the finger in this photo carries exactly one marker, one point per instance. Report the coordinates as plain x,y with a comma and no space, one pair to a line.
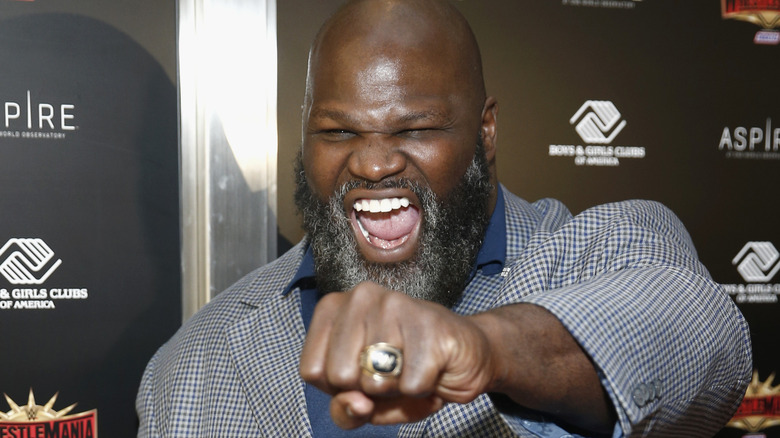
351,409
404,409
448,361
364,319
385,339
423,361
381,363
315,348
347,338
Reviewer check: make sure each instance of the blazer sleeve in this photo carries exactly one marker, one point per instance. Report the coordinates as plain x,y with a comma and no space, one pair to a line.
144,403
672,350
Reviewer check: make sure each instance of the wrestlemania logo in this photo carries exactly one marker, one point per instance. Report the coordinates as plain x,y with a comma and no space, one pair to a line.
764,13
760,409
35,421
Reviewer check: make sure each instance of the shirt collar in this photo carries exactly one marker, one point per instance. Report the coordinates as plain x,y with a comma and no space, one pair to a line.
490,259
305,276
492,254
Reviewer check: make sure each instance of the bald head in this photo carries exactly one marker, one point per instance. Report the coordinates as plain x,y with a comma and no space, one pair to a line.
429,34
395,90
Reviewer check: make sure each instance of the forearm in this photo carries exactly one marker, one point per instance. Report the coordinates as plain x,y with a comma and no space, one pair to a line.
539,365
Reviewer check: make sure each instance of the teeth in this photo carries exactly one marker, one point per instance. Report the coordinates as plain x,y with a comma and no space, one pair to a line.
361,205
380,205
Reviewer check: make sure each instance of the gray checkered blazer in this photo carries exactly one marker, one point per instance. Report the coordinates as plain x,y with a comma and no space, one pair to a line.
672,350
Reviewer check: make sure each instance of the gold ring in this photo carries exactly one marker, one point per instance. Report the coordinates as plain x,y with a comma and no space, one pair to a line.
381,361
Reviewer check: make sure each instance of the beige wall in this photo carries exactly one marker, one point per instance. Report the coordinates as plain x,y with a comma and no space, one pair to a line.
298,21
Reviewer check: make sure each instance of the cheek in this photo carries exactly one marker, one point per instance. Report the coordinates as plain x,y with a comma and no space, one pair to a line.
443,167
323,167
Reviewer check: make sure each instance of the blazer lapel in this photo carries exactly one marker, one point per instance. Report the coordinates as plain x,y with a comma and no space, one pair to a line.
266,347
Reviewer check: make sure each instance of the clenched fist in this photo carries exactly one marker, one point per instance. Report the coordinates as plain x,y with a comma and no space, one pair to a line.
446,357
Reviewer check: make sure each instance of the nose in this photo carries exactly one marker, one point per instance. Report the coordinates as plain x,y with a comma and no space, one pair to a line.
377,158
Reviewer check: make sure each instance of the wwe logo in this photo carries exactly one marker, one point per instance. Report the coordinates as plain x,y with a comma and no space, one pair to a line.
26,261
595,125
757,261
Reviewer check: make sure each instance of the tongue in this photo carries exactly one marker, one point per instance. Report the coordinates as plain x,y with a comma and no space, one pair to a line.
392,225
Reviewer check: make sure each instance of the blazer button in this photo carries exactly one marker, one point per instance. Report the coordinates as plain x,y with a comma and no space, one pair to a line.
659,387
645,393
641,394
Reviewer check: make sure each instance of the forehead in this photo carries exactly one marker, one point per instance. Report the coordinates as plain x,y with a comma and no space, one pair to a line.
385,93
361,72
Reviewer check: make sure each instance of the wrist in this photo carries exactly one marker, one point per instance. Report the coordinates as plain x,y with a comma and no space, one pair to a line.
491,327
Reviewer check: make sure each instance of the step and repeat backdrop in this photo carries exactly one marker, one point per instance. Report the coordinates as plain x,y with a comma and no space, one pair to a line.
604,100
600,100
89,218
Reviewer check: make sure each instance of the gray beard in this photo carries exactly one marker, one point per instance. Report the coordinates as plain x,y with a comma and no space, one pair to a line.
452,233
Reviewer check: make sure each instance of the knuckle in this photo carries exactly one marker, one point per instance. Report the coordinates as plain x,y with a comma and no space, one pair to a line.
395,302
342,377
378,387
310,373
330,301
366,289
416,387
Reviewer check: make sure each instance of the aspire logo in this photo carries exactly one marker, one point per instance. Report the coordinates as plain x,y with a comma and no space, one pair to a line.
753,142
27,261
757,261
24,116
599,122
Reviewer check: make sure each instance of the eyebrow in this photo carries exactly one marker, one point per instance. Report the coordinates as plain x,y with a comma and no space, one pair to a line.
323,113
412,116
431,114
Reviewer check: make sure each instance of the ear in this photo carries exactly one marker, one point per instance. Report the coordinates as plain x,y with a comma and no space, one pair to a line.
490,128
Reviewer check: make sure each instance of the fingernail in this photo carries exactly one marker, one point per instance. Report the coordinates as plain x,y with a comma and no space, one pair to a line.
349,412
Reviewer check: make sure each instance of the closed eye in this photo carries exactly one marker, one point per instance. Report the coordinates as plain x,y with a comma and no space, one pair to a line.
417,133
336,134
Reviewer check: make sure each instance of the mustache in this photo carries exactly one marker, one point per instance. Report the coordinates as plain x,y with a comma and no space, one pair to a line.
395,183
426,196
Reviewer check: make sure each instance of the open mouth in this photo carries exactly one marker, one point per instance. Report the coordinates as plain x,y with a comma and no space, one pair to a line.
387,223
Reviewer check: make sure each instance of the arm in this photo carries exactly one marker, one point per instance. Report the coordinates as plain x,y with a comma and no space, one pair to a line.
520,350
144,403
671,349
539,365
642,311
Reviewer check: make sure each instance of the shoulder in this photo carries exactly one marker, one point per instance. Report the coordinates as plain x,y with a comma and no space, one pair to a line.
545,218
249,292
183,369
636,229
524,220
604,237
634,221
204,331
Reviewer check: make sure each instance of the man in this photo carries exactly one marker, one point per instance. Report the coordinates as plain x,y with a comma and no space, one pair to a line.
426,300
